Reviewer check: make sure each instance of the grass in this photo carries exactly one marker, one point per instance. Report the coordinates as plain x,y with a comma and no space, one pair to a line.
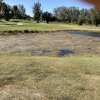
28,25
25,77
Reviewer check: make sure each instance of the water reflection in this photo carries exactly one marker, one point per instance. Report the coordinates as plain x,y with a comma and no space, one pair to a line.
65,52
93,34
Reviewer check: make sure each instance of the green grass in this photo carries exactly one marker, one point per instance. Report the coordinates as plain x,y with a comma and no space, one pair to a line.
29,25
49,78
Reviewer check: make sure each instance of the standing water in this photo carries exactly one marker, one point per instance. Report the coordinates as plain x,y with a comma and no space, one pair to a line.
93,34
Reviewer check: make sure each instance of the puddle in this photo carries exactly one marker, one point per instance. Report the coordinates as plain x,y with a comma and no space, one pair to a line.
65,52
93,34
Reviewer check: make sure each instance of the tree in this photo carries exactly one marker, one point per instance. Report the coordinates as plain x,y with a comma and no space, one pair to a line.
6,11
73,14
37,11
46,16
0,8
15,11
53,18
80,20
1,5
95,17
60,13
66,14
22,11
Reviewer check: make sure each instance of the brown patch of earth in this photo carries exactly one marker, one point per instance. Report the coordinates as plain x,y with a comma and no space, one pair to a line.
49,44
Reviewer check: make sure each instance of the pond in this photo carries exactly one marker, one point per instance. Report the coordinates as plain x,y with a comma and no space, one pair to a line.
93,34
65,52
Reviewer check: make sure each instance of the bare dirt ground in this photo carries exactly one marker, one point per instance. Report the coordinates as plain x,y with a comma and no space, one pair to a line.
49,44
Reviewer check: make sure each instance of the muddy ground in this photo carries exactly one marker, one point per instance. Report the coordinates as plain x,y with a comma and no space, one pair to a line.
49,44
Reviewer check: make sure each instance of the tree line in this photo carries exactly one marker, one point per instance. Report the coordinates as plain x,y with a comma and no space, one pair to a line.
78,16
61,14
68,15
8,12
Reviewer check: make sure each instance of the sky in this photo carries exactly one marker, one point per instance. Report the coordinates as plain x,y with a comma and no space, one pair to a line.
48,5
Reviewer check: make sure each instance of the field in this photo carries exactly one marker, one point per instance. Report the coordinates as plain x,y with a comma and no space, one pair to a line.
27,25
31,67
49,78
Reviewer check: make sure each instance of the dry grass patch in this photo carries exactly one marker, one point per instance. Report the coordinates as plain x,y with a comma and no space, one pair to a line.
49,44
49,78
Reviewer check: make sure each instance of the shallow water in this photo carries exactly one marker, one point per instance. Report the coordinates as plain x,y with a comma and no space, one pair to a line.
65,52
93,34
